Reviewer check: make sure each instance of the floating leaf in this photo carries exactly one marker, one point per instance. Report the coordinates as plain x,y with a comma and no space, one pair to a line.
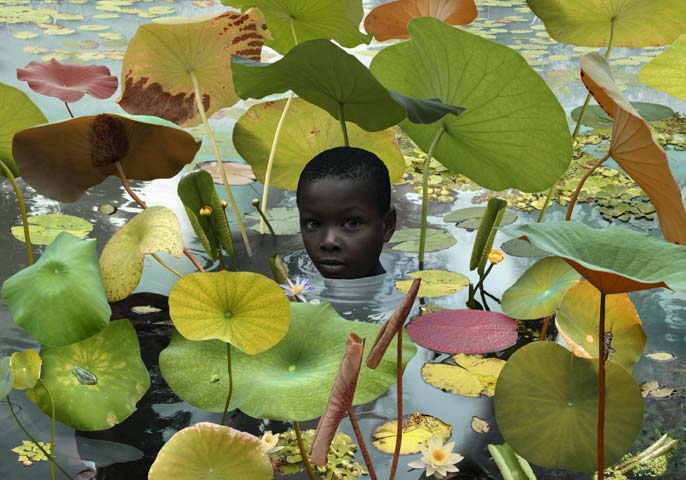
661,356
45,228
26,367
522,248
206,447
245,309
470,218
653,389
6,377
60,299
435,283
569,401
511,465
236,173
418,428
666,72
597,118
407,240
284,220
117,379
473,376
31,452
479,425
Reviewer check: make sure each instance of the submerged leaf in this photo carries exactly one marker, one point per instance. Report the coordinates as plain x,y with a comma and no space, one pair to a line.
418,428
284,220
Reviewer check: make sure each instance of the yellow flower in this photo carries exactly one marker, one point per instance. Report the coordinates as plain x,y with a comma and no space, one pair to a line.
224,203
437,459
496,256
205,211
269,443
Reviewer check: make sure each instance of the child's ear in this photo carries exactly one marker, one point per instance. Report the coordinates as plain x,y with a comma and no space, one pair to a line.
389,225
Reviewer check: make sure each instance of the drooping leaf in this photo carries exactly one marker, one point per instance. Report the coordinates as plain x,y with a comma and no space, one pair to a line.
511,465
577,322
483,243
162,58
95,383
463,331
418,428
635,150
207,450
537,293
569,401
26,368
522,248
407,240
68,81
6,377
470,218
666,72
473,376
45,228
307,132
60,299
284,220
435,283
502,96
390,20
245,309
597,118
64,159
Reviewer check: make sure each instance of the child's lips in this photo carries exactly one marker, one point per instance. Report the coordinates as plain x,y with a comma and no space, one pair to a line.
331,265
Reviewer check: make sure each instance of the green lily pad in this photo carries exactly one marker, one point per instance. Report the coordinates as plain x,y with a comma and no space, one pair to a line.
503,97
26,367
284,220
587,22
522,248
17,112
298,371
667,71
95,383
308,20
470,218
45,228
156,70
577,322
207,450
60,299
595,116
435,283
567,399
245,309
6,377
155,229
307,132
537,293
407,240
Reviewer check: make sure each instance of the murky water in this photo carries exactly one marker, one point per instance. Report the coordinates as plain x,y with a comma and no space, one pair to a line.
127,450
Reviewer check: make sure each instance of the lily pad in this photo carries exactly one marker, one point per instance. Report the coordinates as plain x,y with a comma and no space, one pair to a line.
6,377
470,218
661,356
479,425
284,220
537,293
245,309
64,159
160,62
154,230
522,248
418,428
666,72
472,377
463,331
45,228
207,450
26,368
653,389
299,370
307,132
597,118
567,399
236,173
503,97
577,322
96,382
60,299
435,283
407,240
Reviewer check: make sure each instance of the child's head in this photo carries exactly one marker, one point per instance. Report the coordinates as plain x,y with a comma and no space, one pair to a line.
344,199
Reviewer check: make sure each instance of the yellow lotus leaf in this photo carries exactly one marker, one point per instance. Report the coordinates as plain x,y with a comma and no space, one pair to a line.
435,283
417,429
473,376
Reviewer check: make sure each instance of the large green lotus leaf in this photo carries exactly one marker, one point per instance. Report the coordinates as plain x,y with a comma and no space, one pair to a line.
597,118
308,131
17,112
245,309
155,229
60,299
298,371
667,71
587,22
210,451
407,240
156,71
95,383
513,132
45,228
64,159
537,293
615,260
530,398
577,322
6,377
308,20
26,367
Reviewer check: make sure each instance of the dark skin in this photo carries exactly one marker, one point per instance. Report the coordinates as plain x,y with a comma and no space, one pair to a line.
342,227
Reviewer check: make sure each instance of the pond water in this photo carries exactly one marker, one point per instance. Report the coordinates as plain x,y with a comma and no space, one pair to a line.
127,450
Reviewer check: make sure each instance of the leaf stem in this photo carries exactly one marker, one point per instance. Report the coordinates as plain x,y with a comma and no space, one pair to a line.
220,163
263,218
52,426
575,196
341,118
363,445
68,109
548,199
22,210
399,395
303,451
228,368
425,195
601,389
544,328
166,265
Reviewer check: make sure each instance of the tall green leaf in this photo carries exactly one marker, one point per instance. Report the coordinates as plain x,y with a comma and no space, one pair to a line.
486,233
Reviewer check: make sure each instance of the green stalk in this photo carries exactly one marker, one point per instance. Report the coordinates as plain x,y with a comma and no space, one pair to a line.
22,210
264,220
574,198
228,397
52,427
341,118
166,265
601,389
303,452
220,163
425,195
548,198
479,285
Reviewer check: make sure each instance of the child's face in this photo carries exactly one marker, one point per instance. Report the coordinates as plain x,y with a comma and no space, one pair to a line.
342,228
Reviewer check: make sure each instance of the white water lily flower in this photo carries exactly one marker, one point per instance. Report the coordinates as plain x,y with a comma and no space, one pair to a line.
437,459
269,442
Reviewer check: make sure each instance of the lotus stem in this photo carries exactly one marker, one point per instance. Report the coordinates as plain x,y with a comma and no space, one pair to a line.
68,109
143,205
22,210
220,163
548,199
263,218
575,196
341,117
303,451
425,195
399,395
544,329
166,265
490,295
480,284
483,299
52,427
228,368
30,437
363,445
601,389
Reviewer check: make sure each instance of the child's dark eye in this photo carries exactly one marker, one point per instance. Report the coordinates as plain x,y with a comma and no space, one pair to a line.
309,224
353,223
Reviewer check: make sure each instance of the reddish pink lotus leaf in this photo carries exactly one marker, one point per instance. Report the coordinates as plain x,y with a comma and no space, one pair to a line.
463,331
67,81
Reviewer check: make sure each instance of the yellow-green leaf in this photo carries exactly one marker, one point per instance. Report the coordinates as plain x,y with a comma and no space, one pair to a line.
435,283
417,429
26,367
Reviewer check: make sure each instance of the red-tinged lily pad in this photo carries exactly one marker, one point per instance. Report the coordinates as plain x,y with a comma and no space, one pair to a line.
463,331
68,82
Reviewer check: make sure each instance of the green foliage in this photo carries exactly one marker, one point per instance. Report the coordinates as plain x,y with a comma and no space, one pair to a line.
495,210
511,465
26,367
666,71
45,228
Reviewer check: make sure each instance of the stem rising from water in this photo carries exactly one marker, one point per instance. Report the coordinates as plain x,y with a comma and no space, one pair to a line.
425,195
22,211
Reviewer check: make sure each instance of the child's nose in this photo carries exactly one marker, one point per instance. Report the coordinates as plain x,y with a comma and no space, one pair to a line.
329,240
